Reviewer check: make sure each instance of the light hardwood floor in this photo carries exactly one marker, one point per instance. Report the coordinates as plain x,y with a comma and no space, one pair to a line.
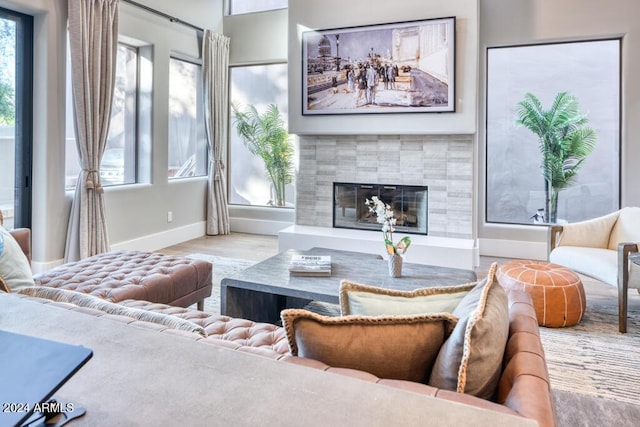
255,247
258,247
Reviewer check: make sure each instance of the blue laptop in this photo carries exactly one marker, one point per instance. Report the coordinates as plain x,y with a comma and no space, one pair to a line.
31,371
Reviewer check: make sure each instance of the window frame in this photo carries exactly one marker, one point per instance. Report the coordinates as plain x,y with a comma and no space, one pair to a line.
136,169
229,9
615,191
231,130
131,150
198,62
23,127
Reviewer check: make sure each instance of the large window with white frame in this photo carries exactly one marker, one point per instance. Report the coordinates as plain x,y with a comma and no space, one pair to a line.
187,154
553,131
260,86
119,161
237,7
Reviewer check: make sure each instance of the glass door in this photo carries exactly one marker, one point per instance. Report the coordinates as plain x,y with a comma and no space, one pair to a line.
16,71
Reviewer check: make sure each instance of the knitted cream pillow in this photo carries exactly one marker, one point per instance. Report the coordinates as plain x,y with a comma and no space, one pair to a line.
367,300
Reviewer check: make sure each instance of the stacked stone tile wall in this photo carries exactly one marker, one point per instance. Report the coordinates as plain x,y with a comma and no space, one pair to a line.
442,162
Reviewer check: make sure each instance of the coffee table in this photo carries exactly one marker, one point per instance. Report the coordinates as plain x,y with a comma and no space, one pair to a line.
263,290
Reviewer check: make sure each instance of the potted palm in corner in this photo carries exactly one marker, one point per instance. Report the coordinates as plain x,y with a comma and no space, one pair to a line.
564,140
266,136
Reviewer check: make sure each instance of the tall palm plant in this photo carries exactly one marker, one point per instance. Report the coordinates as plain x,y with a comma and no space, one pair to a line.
564,141
266,136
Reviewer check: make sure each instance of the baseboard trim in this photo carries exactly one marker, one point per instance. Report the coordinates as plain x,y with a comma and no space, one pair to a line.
513,249
156,241
150,243
257,226
41,267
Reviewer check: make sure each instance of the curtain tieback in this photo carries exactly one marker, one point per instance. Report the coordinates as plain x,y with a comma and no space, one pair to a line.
219,169
93,181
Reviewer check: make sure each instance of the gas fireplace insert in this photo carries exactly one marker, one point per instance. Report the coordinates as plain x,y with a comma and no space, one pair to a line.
409,203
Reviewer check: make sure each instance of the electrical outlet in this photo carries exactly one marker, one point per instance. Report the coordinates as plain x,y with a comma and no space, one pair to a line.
169,216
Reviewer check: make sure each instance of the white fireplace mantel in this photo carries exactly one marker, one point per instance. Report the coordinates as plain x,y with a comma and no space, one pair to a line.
441,251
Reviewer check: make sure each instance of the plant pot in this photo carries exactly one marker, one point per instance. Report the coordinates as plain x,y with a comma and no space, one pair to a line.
395,265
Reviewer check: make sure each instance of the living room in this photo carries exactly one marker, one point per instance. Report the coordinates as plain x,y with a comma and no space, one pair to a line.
138,214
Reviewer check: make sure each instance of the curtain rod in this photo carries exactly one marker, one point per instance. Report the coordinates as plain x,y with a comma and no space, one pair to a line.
164,15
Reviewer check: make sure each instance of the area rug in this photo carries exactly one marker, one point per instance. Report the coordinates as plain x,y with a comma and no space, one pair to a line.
593,358
222,267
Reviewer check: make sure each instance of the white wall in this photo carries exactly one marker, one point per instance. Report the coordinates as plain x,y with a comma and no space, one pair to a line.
504,23
138,211
258,37
137,214
311,14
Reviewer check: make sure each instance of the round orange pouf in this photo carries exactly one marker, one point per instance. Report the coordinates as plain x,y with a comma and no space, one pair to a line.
557,292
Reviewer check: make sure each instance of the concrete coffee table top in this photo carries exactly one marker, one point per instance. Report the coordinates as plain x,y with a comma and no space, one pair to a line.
272,277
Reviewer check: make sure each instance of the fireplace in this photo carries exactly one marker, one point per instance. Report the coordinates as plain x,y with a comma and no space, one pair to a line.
409,203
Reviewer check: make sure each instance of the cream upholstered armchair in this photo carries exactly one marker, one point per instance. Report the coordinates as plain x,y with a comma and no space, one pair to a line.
600,248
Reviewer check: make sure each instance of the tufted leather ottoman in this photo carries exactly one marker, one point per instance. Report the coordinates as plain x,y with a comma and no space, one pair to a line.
557,292
121,275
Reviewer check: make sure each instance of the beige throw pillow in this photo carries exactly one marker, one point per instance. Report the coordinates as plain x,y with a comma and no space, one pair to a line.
470,360
394,347
15,270
367,300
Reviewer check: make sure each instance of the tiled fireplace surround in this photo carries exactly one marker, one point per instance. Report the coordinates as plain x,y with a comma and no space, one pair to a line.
442,162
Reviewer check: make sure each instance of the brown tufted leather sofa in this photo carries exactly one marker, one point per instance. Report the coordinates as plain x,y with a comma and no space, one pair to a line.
523,390
245,335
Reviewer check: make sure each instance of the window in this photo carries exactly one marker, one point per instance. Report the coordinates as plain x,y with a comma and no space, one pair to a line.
16,106
237,7
533,183
260,86
187,140
118,165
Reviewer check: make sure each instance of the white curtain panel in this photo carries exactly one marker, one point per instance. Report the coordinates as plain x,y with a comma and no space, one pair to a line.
93,36
215,61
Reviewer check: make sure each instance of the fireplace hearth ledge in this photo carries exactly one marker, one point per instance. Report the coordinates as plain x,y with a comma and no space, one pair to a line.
431,250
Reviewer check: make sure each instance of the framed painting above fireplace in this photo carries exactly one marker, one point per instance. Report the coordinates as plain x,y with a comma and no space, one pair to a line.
400,67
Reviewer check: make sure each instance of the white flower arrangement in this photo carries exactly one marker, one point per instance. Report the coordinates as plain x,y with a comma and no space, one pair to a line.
386,217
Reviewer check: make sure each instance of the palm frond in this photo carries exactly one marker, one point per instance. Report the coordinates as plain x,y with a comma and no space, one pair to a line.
564,140
265,135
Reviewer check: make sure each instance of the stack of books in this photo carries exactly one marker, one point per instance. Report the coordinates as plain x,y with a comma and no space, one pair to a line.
310,265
